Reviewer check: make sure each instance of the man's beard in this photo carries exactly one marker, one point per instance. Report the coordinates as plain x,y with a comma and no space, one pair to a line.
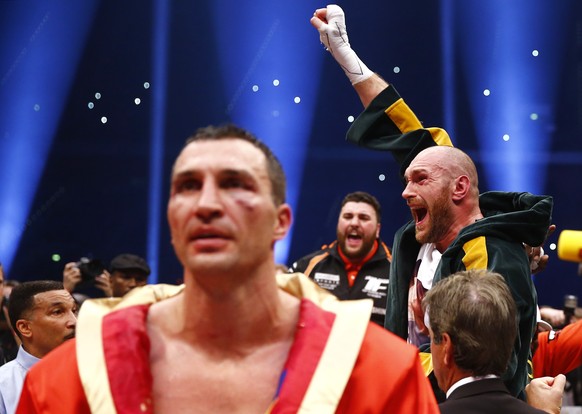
367,244
441,220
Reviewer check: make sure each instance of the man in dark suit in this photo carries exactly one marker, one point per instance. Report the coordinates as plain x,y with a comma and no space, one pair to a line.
471,317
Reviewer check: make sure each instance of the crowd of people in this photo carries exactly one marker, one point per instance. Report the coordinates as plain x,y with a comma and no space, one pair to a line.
446,320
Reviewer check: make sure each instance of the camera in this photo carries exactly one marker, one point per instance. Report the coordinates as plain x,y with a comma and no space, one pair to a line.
90,268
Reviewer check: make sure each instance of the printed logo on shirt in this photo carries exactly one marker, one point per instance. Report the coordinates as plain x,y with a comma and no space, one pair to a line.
375,287
327,280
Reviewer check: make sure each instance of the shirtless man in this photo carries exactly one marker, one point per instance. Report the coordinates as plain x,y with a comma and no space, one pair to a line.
234,338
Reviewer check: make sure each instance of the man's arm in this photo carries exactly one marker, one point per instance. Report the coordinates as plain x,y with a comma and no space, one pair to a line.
331,25
387,123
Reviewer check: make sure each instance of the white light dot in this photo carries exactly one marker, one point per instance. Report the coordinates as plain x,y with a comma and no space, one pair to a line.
137,101
37,107
297,99
535,52
396,69
553,246
103,119
533,117
90,105
506,137
486,92
351,118
275,113
255,88
146,85
381,177
276,82
97,95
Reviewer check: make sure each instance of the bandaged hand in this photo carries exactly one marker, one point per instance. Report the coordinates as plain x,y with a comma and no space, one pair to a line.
331,25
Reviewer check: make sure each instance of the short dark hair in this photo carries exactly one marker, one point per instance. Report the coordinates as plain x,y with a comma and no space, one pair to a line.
363,197
274,168
22,301
476,309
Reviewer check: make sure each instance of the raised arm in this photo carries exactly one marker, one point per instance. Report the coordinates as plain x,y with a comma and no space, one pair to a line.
331,24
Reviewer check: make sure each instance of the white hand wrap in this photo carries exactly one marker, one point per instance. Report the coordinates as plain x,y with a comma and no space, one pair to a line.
335,38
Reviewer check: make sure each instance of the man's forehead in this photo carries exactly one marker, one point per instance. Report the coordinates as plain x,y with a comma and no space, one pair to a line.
224,151
357,207
51,296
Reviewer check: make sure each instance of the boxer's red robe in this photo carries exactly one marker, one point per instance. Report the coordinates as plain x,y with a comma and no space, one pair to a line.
338,362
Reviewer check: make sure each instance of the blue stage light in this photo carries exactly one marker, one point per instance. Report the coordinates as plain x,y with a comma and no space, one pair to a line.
510,55
158,110
265,52
41,43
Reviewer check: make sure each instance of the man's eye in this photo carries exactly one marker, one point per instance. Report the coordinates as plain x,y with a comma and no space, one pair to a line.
234,183
187,185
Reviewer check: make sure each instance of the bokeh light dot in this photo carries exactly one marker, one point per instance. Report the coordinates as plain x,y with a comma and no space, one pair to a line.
351,118
553,246
56,257
535,52
297,99
255,88
381,177
37,107
533,117
276,82
103,119
506,137
97,95
137,101
396,69
146,85
486,92
90,105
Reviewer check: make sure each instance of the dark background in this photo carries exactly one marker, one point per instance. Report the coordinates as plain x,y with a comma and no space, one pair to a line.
93,194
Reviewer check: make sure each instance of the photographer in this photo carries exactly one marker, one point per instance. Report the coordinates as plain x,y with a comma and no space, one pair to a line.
126,271
74,280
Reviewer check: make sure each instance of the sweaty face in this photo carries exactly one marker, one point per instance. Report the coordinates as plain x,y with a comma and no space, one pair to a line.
122,281
428,194
357,228
221,213
52,321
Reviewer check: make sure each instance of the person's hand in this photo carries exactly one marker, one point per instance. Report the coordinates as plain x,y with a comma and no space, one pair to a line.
555,317
545,393
331,25
103,282
538,260
71,276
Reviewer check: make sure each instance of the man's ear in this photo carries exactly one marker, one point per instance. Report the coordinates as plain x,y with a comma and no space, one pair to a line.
283,222
462,187
378,231
23,326
448,348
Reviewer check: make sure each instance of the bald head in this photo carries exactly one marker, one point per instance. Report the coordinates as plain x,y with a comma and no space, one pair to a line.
450,160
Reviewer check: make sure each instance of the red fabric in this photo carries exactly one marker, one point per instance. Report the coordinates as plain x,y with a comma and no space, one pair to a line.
387,376
558,355
53,385
125,351
308,345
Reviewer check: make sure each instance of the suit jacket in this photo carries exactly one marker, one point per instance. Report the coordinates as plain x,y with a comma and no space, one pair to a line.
488,396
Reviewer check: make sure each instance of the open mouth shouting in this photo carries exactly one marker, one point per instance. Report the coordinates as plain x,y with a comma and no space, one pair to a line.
419,214
353,239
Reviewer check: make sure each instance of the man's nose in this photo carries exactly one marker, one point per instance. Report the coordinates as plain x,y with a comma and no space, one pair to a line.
209,204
